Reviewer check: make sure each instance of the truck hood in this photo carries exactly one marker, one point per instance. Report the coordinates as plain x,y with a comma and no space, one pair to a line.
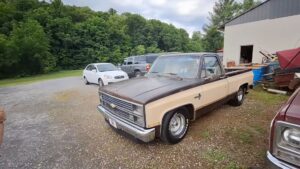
293,112
146,89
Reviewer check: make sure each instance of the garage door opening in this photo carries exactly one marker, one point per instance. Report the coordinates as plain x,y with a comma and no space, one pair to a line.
246,54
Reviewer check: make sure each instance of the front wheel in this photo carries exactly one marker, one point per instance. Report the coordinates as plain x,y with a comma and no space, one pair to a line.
85,80
175,126
238,98
100,82
137,73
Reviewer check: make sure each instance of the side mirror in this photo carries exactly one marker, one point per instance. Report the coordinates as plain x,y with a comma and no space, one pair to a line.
94,70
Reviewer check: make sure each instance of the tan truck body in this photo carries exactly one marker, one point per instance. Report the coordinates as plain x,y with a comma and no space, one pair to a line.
211,93
139,106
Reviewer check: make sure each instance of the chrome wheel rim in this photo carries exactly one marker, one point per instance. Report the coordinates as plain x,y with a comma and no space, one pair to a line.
240,95
100,83
137,74
177,124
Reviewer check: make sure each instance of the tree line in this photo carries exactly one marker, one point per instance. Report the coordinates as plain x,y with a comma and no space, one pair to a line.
40,37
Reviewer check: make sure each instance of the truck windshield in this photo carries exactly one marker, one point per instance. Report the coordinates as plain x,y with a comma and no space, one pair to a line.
106,67
182,66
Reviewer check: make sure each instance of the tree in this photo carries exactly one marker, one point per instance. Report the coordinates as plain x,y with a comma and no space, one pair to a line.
248,4
223,11
31,47
48,35
213,39
138,50
195,44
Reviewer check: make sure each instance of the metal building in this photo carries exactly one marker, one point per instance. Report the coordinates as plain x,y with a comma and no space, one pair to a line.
272,26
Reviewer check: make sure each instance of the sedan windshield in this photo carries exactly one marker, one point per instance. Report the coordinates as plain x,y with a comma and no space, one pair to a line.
182,66
106,67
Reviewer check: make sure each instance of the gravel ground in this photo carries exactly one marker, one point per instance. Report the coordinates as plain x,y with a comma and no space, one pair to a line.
55,124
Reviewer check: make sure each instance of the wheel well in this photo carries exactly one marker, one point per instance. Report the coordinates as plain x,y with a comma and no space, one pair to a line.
245,86
190,109
136,70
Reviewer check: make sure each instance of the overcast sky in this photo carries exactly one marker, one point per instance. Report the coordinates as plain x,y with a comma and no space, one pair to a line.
188,14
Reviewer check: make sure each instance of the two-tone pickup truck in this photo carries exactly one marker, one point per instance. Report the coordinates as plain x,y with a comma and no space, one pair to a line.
177,89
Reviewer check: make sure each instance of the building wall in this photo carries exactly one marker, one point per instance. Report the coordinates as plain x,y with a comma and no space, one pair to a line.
269,35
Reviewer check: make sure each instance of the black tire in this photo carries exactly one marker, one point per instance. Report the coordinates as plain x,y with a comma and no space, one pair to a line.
167,135
137,73
238,98
86,81
100,82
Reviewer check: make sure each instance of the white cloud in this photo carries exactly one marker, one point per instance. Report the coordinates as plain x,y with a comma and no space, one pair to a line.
188,14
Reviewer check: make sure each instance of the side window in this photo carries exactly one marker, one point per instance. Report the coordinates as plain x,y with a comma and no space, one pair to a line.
129,61
93,67
151,59
139,59
211,67
88,68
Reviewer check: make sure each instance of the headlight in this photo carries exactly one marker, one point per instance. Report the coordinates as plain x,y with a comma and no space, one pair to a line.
107,77
138,116
291,137
138,110
286,145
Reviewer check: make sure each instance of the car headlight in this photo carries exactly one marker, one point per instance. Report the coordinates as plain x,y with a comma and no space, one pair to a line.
291,137
138,110
138,115
107,77
286,144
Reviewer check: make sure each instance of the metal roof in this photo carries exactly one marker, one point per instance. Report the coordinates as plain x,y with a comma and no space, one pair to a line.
269,9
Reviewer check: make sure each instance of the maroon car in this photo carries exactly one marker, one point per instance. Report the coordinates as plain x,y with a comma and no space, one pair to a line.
284,149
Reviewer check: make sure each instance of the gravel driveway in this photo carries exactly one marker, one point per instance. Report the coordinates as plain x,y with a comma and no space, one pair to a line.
55,124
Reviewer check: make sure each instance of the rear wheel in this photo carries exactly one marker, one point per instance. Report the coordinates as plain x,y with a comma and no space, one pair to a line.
175,126
239,97
137,73
85,80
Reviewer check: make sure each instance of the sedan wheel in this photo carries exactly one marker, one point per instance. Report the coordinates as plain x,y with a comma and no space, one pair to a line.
100,82
85,81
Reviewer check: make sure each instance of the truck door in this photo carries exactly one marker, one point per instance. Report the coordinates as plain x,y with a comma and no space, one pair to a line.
129,66
216,84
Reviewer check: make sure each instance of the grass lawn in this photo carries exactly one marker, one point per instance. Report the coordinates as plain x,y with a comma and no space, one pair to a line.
31,79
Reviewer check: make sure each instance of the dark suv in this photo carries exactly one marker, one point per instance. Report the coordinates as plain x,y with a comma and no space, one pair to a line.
136,66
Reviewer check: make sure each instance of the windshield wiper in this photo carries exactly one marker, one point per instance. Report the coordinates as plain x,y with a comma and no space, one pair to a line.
174,74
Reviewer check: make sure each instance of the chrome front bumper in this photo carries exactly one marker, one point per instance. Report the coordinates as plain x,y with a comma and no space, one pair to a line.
145,135
276,163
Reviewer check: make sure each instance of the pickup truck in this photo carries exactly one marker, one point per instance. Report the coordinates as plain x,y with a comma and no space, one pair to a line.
136,66
177,89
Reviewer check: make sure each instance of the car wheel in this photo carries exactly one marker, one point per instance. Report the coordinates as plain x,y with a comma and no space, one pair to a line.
100,82
86,81
175,126
239,97
137,73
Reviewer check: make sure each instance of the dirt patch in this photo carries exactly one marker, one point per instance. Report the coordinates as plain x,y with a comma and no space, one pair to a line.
55,124
238,135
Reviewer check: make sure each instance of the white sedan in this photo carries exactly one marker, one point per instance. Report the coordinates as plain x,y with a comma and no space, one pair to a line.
103,74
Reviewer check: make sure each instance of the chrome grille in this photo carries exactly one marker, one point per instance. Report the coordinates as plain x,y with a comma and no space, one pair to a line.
119,77
119,103
123,109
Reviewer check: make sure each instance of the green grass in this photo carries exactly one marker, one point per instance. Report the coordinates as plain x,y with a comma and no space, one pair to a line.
218,159
268,98
36,78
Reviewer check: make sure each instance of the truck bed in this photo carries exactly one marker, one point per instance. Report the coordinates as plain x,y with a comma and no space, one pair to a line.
235,71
